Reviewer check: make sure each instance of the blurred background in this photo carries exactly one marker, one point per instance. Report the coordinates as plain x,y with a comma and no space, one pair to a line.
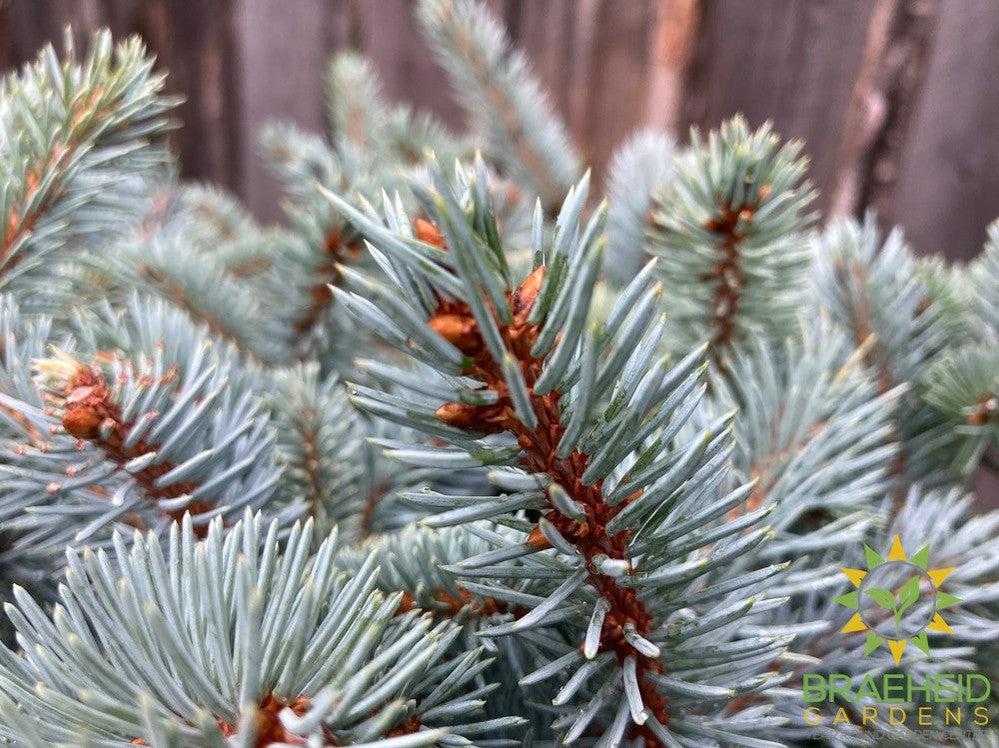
896,100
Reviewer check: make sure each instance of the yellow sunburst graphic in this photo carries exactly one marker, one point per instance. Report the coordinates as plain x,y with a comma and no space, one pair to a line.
897,602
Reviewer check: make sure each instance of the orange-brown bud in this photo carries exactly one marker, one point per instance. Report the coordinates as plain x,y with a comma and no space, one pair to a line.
31,181
83,422
407,603
488,419
632,496
299,705
460,415
452,601
427,232
459,330
525,295
411,725
753,502
491,606
537,539
12,227
987,408
332,241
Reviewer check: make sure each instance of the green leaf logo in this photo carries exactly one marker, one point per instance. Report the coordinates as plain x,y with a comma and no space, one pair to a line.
898,603
908,594
882,597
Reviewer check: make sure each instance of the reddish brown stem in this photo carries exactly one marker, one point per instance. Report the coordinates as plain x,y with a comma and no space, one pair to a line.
267,723
984,411
727,274
877,357
455,322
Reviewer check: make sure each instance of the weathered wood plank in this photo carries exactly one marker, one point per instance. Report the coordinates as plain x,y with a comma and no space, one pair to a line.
885,97
618,79
672,46
608,70
279,80
196,43
556,37
796,63
790,62
592,57
949,180
26,25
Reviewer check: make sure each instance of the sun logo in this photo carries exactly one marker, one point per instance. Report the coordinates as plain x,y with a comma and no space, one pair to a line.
897,600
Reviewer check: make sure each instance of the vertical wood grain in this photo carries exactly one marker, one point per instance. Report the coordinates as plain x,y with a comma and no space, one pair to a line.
196,42
192,40
934,168
791,62
866,113
949,183
906,64
387,34
618,79
672,46
278,81
593,58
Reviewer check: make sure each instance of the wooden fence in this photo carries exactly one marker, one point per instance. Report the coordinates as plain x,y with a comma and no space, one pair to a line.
897,100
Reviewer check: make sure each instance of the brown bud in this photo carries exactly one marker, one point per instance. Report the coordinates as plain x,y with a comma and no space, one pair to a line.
755,500
512,192
491,606
427,232
459,330
987,407
31,181
460,415
488,419
83,423
411,725
299,705
12,226
524,296
332,241
454,602
407,603
632,496
537,539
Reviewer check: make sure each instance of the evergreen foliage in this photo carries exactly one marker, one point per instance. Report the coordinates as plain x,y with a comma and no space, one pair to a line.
460,453
74,140
731,236
640,169
200,641
513,119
